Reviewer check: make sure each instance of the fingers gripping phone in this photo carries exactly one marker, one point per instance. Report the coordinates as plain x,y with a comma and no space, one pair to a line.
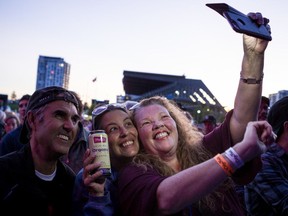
240,22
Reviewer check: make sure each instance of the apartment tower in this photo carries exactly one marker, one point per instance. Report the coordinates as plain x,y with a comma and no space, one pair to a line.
52,71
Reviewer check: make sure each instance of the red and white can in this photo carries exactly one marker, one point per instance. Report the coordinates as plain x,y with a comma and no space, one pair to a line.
98,143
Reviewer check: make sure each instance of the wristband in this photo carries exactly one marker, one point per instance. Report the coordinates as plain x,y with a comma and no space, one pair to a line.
235,159
224,164
251,80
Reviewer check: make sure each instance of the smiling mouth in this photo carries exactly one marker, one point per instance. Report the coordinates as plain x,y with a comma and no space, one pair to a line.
128,143
63,137
161,135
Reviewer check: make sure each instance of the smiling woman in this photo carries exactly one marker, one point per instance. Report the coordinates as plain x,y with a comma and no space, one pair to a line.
115,120
175,157
198,170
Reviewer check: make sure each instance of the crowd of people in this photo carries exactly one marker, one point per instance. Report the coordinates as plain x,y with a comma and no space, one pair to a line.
11,141
161,163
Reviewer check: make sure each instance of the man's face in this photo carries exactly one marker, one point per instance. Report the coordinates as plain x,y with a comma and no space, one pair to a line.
263,111
22,109
54,130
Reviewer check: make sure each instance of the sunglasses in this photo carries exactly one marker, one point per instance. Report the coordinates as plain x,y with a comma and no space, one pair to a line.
130,105
107,107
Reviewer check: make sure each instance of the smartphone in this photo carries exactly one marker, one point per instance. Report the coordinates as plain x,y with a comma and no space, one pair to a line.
240,22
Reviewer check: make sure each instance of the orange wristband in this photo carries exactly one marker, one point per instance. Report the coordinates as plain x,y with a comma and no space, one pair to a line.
224,164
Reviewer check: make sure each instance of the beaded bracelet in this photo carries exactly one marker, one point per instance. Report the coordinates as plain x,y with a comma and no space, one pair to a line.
235,159
224,164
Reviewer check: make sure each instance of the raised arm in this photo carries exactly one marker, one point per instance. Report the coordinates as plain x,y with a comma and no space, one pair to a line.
249,91
192,184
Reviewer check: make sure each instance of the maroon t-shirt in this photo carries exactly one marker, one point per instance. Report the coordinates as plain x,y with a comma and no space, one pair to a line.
138,187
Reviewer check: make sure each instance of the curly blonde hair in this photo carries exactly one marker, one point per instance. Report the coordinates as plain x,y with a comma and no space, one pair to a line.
190,150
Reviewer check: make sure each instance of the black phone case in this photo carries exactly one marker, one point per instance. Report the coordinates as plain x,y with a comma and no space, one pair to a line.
240,22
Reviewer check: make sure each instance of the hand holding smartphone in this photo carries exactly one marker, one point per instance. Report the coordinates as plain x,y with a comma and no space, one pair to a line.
240,22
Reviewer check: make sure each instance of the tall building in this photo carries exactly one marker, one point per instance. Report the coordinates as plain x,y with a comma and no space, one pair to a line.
277,96
52,71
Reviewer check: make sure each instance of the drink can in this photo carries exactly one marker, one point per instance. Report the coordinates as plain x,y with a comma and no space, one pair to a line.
98,143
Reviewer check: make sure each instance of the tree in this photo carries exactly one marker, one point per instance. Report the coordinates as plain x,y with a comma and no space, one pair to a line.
13,96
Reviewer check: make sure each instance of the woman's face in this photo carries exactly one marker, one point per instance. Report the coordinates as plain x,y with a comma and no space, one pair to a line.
157,130
10,124
122,134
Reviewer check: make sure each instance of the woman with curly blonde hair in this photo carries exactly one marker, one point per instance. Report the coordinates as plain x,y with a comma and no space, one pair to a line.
177,165
180,171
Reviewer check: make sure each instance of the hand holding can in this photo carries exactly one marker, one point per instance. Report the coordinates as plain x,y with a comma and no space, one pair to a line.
98,143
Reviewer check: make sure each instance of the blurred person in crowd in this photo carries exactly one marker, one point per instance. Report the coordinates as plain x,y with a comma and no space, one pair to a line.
11,142
267,193
11,122
2,115
22,105
2,124
263,109
87,124
33,180
262,116
123,145
194,168
209,123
